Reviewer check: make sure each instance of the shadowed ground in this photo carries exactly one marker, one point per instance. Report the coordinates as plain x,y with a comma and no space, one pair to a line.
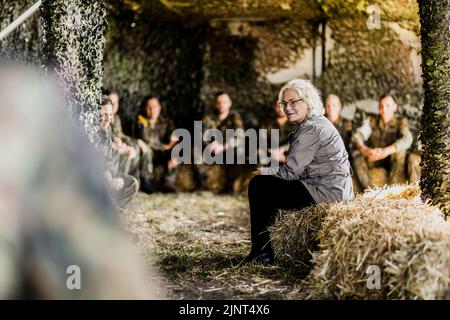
198,240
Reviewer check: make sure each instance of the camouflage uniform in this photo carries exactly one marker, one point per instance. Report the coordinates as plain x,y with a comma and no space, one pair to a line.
116,129
414,169
379,135
125,194
344,127
126,165
221,177
55,211
154,162
283,131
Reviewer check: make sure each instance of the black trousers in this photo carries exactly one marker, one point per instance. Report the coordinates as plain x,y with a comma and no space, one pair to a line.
266,195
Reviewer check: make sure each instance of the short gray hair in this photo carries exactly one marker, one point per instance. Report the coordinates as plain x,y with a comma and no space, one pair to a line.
308,93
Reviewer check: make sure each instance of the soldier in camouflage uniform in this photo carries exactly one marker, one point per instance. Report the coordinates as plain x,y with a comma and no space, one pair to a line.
125,146
123,187
284,127
156,142
60,236
276,121
388,139
333,109
221,177
414,158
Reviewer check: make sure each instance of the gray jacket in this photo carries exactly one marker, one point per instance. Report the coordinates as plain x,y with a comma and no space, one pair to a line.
317,157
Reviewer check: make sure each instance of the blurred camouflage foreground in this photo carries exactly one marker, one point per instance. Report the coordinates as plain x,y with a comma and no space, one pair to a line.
55,212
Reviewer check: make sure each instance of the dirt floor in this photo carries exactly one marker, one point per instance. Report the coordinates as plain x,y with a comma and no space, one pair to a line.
198,240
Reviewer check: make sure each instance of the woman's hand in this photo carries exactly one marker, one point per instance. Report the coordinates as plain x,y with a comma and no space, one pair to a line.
257,172
277,154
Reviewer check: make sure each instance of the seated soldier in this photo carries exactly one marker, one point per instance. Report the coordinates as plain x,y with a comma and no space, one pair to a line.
284,127
220,177
127,149
156,142
382,160
333,109
414,169
123,187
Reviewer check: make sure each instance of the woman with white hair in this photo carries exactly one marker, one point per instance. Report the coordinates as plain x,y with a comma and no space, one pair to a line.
317,168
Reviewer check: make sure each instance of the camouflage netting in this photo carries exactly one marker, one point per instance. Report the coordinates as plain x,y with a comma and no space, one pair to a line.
202,47
185,62
257,49
365,63
24,44
153,58
74,35
435,183
200,11
404,11
73,50
183,52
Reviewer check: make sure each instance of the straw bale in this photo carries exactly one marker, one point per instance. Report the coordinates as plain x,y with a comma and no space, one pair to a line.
406,240
387,230
294,234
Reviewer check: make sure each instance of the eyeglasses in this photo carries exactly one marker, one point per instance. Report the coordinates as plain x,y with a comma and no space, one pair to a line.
291,103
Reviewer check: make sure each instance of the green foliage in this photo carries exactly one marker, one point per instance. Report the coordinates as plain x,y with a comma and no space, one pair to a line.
435,134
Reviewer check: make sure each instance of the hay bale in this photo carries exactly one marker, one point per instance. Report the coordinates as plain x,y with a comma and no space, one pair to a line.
423,271
294,234
407,240
404,191
388,228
